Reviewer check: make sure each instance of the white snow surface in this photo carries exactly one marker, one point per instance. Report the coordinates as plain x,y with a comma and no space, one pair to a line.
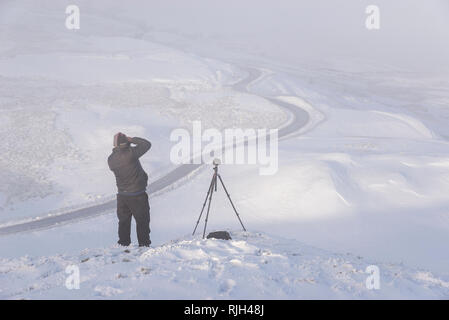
250,266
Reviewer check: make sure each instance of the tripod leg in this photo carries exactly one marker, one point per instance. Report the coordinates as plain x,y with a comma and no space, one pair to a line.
214,182
204,204
229,197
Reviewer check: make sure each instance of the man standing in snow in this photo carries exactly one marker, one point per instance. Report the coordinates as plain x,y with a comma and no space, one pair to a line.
132,199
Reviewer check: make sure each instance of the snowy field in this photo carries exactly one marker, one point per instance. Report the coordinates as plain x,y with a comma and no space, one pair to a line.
364,182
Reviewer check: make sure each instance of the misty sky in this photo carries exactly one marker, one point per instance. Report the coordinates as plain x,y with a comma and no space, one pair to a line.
413,35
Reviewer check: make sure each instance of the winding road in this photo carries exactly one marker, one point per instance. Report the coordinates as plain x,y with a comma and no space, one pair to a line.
299,118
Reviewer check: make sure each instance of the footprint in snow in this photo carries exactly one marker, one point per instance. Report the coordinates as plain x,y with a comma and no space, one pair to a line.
106,291
226,286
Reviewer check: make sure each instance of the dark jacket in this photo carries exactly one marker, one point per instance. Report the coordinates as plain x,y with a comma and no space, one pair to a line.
124,162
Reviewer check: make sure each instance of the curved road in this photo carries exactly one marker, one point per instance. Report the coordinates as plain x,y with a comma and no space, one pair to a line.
299,119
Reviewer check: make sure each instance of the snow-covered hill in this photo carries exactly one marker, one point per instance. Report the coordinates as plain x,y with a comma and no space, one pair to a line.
368,174
250,266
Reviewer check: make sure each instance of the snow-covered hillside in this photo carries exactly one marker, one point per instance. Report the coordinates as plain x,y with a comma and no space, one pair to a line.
63,98
364,176
250,266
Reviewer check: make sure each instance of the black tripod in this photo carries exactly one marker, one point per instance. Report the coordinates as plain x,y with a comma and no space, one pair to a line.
212,188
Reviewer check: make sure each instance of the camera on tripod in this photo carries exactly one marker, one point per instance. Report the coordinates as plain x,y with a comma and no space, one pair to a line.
210,191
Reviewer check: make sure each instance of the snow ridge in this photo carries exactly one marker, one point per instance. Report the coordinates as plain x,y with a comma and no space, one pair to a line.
251,266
